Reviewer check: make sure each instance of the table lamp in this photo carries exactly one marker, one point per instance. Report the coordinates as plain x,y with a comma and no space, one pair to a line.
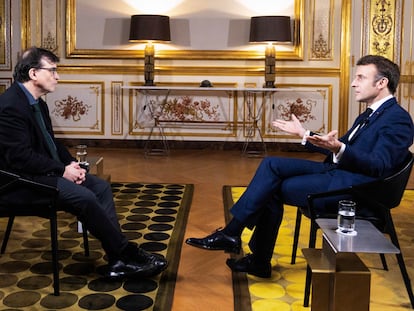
270,29
149,29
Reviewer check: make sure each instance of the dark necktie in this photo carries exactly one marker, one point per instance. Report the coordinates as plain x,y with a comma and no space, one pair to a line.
49,140
364,120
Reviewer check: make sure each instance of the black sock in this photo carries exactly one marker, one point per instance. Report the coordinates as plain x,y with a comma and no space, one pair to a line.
234,228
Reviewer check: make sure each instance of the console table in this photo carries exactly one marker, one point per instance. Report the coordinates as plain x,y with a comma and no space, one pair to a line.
340,280
253,114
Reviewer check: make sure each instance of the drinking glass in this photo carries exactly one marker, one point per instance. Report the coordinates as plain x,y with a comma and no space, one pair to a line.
346,217
81,154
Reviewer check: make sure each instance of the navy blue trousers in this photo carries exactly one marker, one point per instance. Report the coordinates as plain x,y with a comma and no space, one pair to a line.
280,181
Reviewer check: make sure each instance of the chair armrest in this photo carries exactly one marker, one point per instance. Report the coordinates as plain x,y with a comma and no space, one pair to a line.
362,191
12,183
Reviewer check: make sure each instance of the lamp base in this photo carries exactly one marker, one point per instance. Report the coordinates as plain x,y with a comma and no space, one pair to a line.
270,66
149,66
149,83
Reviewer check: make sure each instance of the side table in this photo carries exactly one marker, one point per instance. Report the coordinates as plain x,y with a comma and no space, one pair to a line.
340,280
96,167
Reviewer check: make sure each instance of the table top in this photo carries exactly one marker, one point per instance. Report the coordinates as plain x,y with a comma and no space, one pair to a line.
368,239
211,89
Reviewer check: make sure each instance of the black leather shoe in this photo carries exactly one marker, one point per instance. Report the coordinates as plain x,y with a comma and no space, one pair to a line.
137,256
249,265
119,270
217,241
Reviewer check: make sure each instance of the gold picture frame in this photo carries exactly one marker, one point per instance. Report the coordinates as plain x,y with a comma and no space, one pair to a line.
311,103
5,35
294,52
77,107
4,84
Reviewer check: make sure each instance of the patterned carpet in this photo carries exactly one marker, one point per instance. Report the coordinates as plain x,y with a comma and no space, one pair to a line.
152,215
284,290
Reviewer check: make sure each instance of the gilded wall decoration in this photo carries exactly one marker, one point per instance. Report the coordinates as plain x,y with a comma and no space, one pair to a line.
50,10
311,104
5,32
77,107
383,27
321,37
117,108
41,22
194,112
4,84
70,108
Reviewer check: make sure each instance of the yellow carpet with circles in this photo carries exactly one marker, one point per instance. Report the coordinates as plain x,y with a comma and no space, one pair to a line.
284,290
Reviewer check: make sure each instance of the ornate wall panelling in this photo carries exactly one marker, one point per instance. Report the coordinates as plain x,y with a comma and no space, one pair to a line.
383,24
406,89
91,37
5,35
4,84
312,104
117,112
45,19
77,107
184,113
321,30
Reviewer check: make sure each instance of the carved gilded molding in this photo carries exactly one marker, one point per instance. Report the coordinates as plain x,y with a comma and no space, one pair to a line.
321,35
197,70
383,26
73,51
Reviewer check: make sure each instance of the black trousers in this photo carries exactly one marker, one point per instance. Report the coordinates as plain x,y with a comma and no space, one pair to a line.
92,202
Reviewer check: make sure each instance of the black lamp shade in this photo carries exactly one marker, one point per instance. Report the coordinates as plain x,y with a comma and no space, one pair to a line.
270,29
149,28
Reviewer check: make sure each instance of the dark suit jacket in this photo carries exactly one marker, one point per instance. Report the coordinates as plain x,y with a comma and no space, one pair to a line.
23,148
379,148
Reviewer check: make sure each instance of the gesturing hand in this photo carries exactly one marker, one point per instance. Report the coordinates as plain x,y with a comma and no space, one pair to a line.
292,127
328,141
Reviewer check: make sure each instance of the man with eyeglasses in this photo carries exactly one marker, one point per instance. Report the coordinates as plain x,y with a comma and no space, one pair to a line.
28,148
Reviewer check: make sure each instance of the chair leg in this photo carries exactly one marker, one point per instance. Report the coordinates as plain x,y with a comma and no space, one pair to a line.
308,282
7,234
55,260
85,240
312,243
296,236
400,259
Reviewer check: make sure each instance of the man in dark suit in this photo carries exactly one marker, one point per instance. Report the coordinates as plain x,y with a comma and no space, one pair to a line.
376,146
28,148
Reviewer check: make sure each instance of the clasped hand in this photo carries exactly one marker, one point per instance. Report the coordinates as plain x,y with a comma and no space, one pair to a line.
293,126
75,173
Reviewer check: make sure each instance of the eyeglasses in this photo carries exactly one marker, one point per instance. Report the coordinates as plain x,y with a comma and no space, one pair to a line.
52,70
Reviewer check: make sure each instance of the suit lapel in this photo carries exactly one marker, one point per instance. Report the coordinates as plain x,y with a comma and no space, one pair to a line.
382,109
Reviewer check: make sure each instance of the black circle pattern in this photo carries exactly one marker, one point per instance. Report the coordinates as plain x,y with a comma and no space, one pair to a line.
147,214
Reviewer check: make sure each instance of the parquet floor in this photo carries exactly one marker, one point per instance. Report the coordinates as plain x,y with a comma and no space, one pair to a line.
204,281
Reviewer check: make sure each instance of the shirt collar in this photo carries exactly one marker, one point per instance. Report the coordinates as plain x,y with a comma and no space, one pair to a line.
377,104
29,96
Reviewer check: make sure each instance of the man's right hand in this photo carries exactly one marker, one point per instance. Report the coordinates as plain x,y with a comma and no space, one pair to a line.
75,173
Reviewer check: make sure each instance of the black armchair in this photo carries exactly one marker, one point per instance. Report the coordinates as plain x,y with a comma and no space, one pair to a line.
23,197
377,197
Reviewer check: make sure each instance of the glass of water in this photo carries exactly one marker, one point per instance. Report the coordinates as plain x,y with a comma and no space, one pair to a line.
81,154
346,217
